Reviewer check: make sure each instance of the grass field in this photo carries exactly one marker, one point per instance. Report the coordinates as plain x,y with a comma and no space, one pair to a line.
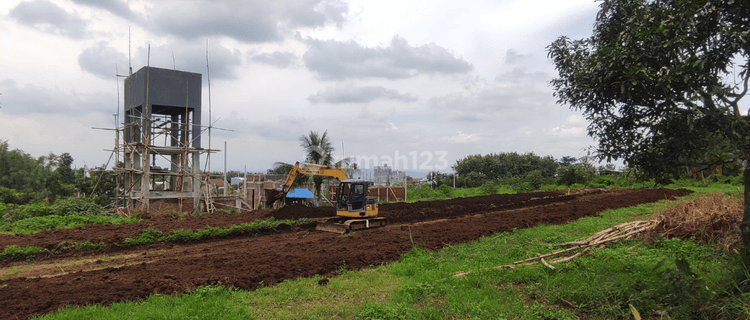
657,278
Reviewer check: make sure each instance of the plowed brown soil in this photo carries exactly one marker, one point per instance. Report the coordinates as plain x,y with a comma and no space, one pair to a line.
248,262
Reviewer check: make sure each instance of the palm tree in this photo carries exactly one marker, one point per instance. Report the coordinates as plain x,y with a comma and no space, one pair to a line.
319,150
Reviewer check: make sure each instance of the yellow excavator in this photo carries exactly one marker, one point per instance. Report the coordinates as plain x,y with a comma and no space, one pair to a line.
354,209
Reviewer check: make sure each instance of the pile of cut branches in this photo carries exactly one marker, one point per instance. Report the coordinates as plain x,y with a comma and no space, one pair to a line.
619,232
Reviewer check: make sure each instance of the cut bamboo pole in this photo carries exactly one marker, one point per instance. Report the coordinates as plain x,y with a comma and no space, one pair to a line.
616,233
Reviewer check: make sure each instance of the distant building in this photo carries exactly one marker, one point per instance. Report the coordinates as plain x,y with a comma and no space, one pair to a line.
386,176
236,181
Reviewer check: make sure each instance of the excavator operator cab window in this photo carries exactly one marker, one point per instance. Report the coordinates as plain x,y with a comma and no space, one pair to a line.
358,190
352,196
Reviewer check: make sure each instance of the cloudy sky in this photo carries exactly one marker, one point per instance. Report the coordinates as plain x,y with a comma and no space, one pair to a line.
430,81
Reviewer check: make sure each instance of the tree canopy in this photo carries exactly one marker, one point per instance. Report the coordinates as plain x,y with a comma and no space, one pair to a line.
505,165
660,82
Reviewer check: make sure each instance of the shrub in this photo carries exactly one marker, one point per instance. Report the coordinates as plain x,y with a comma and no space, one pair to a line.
79,207
446,190
489,187
575,174
534,179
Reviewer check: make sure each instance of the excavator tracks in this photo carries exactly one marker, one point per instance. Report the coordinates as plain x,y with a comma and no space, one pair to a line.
342,225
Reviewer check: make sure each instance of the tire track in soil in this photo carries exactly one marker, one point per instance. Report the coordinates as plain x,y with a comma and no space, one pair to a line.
251,262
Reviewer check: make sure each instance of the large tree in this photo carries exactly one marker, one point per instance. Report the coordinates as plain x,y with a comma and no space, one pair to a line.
660,82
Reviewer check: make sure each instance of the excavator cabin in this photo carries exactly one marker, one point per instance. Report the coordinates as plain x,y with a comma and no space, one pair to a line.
352,200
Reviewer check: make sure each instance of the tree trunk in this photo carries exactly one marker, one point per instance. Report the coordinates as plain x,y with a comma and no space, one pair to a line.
317,192
745,225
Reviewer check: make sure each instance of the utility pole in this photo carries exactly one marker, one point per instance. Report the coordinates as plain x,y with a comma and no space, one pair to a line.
225,168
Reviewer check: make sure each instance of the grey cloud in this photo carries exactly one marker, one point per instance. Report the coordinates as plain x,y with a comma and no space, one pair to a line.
116,7
353,94
252,21
510,96
313,13
341,60
101,60
33,99
513,57
277,59
48,17
191,56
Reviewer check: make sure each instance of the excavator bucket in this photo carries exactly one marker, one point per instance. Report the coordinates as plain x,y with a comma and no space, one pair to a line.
332,226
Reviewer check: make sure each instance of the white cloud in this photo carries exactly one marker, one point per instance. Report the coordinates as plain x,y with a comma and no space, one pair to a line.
460,137
277,59
565,131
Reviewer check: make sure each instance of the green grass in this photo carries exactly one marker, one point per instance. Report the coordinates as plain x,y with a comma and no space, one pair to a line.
150,236
51,222
21,252
211,302
685,279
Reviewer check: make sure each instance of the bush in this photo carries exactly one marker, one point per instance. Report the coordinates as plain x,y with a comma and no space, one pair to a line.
446,190
61,207
12,196
534,179
489,187
79,207
26,211
575,174
524,187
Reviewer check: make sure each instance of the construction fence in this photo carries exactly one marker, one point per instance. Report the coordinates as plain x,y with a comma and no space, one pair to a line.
383,194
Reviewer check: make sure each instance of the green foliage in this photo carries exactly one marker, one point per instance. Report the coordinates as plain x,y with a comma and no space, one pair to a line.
62,207
147,236
502,166
490,187
661,83
446,190
24,179
51,222
573,174
534,179
229,210
150,236
18,252
79,207
8,195
424,192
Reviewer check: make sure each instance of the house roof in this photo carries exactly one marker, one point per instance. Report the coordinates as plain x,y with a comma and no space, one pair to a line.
217,182
301,193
